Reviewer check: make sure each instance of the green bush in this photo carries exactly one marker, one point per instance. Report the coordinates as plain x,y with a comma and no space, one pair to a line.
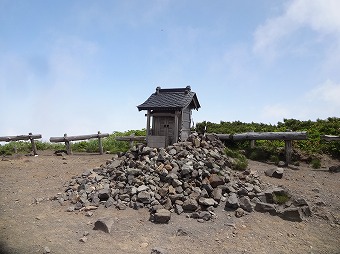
316,163
313,145
280,198
240,161
274,158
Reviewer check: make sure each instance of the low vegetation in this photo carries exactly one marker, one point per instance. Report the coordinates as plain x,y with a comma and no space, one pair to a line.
274,150
264,150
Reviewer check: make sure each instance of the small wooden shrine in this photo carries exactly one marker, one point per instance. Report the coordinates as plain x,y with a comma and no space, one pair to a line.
169,115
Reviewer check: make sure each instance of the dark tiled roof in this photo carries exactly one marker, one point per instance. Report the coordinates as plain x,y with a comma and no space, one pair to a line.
170,99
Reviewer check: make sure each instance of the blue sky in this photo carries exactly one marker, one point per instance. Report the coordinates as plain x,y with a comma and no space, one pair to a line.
77,67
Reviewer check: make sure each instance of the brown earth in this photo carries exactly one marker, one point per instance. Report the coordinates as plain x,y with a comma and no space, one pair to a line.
30,221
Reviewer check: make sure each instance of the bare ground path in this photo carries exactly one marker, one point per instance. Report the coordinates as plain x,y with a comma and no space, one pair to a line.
29,222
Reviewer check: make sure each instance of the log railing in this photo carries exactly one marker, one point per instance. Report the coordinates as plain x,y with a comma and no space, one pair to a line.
131,138
30,137
288,137
330,138
67,140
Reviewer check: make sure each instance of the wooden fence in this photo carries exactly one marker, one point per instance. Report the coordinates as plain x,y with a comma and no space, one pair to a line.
330,138
131,139
288,137
30,137
67,140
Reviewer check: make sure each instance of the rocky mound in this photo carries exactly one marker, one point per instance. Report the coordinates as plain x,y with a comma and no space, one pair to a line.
192,177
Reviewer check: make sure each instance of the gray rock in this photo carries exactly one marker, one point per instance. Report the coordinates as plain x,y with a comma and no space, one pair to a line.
207,201
274,172
190,205
158,250
83,239
186,169
246,204
216,180
70,209
162,216
292,214
205,215
109,202
134,171
104,224
144,197
334,169
232,201
104,194
281,164
239,212
46,250
178,209
181,232
265,207
143,188
217,194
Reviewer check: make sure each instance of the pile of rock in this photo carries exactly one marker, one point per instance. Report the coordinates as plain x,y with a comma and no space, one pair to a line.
191,177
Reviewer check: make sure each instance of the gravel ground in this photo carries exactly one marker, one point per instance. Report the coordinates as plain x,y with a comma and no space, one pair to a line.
31,223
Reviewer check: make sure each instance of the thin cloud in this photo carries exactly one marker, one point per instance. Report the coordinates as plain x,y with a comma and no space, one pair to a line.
320,16
275,112
328,93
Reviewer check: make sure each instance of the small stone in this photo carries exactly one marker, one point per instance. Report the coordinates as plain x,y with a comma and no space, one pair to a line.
292,214
109,202
205,215
158,250
334,169
246,204
190,205
232,201
265,207
274,172
89,214
181,232
83,239
46,250
239,212
90,208
144,245
86,233
144,197
162,216
70,209
104,224
216,180
207,201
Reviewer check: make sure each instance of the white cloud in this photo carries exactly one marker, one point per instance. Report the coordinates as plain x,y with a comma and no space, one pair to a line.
328,93
320,16
274,113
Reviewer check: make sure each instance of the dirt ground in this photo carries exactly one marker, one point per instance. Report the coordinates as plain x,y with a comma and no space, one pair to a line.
31,222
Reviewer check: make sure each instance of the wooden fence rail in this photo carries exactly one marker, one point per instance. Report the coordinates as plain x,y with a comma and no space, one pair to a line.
30,137
330,138
131,138
67,140
288,137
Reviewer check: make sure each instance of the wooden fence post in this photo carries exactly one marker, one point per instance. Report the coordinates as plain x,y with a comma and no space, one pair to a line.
68,145
288,150
100,143
34,147
131,141
252,142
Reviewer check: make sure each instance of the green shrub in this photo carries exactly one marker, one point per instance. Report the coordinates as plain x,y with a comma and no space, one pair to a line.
274,158
316,163
280,198
241,164
240,161
313,145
